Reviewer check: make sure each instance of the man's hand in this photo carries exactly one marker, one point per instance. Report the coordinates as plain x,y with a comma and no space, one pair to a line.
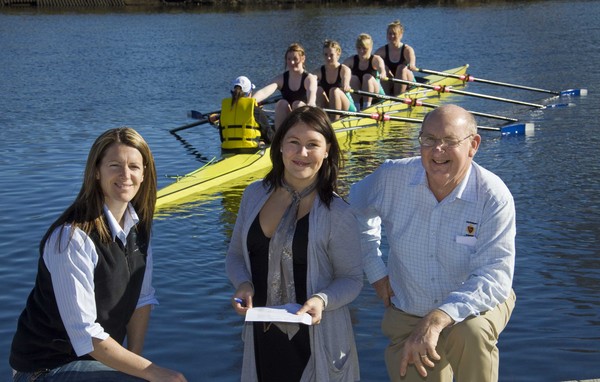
419,348
384,290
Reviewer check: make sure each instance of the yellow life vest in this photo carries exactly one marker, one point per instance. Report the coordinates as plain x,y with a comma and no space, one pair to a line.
239,129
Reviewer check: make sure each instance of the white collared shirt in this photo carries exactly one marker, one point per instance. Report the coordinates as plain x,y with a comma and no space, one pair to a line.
457,255
72,272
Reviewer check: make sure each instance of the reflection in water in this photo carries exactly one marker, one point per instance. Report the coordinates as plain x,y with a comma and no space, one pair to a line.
231,202
193,151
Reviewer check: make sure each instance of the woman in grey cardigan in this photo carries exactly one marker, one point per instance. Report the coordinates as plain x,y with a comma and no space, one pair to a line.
296,241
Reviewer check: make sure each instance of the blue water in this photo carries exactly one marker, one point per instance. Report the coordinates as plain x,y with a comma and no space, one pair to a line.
67,76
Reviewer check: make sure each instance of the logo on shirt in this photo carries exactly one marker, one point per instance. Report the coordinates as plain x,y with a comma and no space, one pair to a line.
471,229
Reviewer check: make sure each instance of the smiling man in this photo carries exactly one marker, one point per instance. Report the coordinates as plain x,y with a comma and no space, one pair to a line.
450,224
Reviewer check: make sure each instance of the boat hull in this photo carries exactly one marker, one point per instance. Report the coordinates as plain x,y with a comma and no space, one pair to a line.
231,169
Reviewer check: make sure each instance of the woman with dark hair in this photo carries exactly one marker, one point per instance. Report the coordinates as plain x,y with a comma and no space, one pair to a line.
296,241
94,288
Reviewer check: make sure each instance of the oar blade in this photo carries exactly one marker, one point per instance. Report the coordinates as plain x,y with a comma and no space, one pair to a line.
574,93
469,78
526,128
194,114
559,105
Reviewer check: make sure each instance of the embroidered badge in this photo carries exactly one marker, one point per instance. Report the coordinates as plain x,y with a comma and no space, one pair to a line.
471,228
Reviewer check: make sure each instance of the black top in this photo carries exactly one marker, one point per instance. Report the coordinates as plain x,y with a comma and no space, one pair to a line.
359,72
258,249
293,95
326,86
394,65
277,357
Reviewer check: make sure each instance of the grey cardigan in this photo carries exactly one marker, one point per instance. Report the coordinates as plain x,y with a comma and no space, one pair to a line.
334,273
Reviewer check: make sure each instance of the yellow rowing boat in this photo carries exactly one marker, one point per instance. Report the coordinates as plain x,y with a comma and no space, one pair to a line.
237,167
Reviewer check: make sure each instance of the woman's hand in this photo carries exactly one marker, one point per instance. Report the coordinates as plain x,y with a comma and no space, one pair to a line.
242,298
113,355
160,374
313,306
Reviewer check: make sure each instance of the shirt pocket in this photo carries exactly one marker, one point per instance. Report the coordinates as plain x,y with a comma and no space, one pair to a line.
469,241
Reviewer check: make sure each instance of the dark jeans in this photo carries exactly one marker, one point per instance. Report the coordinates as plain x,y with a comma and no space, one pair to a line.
77,371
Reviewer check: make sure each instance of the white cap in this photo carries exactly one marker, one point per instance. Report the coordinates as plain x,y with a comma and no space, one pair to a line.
244,83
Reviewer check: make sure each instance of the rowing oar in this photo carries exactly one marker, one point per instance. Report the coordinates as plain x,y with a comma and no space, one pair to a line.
448,89
376,116
198,115
205,117
513,129
202,121
194,114
417,102
202,117
469,78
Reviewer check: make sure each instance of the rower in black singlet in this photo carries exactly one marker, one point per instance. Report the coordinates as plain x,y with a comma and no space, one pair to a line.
356,71
394,65
290,95
326,86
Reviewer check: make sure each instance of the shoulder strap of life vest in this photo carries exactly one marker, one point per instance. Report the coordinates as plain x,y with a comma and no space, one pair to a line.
240,115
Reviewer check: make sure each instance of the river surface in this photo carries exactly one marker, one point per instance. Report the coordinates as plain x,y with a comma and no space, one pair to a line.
67,76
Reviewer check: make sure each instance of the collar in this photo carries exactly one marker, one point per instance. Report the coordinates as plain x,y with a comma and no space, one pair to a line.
130,219
466,189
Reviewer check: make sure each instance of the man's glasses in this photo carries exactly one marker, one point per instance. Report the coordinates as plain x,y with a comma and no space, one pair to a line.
448,142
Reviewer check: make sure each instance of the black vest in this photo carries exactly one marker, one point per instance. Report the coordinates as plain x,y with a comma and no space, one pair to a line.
326,86
41,340
358,72
293,95
394,65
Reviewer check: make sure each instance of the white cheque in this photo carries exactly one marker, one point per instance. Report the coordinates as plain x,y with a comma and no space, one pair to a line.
282,313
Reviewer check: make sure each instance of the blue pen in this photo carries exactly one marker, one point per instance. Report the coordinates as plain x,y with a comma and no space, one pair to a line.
239,301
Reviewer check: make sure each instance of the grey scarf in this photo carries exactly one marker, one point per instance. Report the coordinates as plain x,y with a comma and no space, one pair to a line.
280,277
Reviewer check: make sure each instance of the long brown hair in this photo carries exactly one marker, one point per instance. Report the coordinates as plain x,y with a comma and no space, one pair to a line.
86,211
236,94
328,173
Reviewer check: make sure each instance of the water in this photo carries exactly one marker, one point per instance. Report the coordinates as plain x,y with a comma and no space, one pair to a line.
65,77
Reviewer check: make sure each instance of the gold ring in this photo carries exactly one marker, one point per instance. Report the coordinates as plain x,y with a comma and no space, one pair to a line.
424,356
